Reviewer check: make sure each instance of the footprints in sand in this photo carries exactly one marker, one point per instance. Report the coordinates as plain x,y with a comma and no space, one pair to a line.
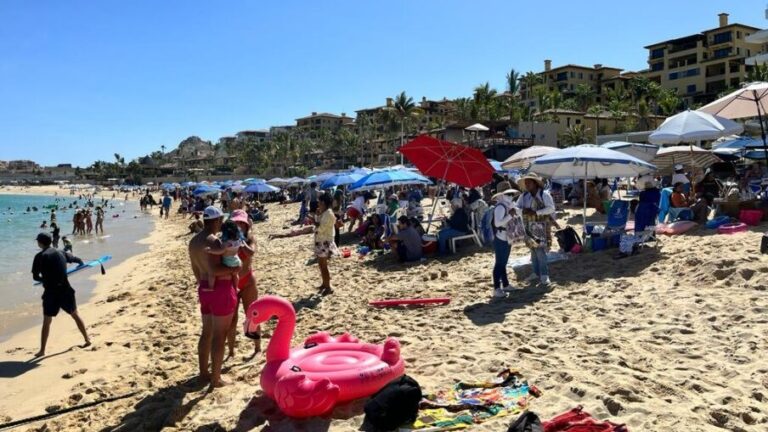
75,373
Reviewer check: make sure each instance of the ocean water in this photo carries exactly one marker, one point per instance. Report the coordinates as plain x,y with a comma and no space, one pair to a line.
124,226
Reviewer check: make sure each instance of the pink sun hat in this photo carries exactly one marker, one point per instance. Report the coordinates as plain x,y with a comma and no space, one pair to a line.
240,216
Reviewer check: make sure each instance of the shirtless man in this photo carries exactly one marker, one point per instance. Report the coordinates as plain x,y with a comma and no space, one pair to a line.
217,303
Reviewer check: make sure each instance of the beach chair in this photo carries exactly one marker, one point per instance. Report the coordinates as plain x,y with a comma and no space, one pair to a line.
618,215
664,204
472,234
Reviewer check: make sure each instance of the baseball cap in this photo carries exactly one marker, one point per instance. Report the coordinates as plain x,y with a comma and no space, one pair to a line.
212,212
44,238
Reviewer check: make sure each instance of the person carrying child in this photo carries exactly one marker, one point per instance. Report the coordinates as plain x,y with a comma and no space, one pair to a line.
231,242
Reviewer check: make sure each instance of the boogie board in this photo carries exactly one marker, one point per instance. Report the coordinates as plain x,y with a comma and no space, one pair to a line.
407,302
86,265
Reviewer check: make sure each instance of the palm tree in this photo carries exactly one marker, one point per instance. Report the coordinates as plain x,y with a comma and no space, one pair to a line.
669,102
513,89
758,73
575,135
484,96
541,92
584,95
597,111
405,110
531,80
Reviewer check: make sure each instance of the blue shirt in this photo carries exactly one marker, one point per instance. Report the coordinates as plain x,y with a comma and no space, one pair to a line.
167,201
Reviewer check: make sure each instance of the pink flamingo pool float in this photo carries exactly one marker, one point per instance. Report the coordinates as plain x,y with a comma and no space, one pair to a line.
311,379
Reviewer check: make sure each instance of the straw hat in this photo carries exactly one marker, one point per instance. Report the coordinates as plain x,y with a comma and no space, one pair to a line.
504,188
530,176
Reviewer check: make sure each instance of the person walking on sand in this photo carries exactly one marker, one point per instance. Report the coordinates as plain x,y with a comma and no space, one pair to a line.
325,247
218,302
503,213
167,200
537,207
247,291
50,268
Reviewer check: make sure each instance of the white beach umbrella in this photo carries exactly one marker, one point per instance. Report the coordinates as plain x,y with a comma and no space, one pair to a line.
477,127
589,161
644,152
750,101
523,158
689,155
692,126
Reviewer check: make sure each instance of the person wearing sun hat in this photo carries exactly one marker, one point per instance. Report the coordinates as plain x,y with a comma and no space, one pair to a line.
503,212
537,207
680,177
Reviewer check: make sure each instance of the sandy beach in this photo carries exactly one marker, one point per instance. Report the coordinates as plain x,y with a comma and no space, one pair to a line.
672,339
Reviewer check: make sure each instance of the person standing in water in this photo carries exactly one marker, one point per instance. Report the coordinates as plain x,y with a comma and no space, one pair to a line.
99,220
50,268
218,302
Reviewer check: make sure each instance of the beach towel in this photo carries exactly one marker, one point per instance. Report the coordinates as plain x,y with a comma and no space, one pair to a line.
467,404
578,420
526,260
664,203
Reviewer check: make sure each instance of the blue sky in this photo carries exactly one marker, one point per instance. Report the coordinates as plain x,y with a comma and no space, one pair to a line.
81,80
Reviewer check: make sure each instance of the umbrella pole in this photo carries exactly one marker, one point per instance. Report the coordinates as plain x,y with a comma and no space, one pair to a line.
762,127
584,209
432,214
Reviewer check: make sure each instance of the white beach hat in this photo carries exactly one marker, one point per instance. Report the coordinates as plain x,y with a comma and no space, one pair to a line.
505,188
678,167
212,212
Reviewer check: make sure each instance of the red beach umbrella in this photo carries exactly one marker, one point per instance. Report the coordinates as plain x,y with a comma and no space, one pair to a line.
451,162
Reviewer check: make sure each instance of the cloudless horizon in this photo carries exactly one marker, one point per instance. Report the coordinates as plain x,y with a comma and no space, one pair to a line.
82,80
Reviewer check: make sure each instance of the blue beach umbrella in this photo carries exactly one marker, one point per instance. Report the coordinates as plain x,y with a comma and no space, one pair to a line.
205,190
260,188
385,178
341,179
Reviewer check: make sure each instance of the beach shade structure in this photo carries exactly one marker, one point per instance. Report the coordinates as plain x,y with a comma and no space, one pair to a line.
523,158
253,180
729,154
205,190
260,188
295,181
644,152
688,155
341,179
451,162
237,187
749,101
589,161
320,178
693,126
382,179
277,181
477,127
496,165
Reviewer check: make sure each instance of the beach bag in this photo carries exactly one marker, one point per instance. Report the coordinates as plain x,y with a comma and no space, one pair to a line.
527,422
567,238
397,403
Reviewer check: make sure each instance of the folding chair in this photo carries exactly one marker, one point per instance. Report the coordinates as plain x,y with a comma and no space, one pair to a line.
473,235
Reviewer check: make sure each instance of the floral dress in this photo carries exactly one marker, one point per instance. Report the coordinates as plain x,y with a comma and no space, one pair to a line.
325,246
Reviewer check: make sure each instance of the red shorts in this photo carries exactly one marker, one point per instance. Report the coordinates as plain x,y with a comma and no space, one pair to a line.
220,301
353,213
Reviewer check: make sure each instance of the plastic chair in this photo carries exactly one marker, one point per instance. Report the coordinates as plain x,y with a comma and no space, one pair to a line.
473,235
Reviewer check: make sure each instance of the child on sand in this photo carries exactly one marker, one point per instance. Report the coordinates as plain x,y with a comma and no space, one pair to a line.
231,241
67,244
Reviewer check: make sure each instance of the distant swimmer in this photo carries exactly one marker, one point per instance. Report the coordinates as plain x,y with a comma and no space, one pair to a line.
50,268
44,225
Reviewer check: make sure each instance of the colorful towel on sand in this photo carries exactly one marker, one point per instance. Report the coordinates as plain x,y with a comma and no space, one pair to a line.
467,404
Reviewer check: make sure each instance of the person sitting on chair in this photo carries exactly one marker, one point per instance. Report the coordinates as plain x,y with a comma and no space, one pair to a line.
457,225
679,204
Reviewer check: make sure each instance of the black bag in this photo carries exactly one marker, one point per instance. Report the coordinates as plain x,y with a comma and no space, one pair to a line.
764,244
395,404
567,238
527,422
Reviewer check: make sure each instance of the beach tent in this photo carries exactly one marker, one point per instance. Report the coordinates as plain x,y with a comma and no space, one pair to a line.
477,127
588,161
749,101
523,158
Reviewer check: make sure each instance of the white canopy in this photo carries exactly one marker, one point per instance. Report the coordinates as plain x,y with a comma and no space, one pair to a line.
523,158
644,152
477,127
692,126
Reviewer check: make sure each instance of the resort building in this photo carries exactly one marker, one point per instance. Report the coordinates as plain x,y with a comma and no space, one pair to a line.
566,79
700,66
759,37
317,121
22,166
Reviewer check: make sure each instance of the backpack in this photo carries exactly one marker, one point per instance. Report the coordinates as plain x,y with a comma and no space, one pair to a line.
487,233
567,238
395,404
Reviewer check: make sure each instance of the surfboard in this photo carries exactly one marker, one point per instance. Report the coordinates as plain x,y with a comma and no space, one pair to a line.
405,302
86,265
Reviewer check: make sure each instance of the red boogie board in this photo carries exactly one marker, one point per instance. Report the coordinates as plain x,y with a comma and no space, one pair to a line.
404,302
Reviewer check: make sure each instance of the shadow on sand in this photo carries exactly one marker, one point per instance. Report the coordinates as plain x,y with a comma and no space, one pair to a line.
13,369
262,410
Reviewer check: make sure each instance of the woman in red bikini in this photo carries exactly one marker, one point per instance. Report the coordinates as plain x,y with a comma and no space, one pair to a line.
247,292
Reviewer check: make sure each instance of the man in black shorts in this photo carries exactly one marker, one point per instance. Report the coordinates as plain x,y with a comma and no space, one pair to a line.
50,268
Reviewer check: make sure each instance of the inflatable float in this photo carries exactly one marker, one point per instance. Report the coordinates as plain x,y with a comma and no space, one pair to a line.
409,302
675,228
732,228
309,380
718,222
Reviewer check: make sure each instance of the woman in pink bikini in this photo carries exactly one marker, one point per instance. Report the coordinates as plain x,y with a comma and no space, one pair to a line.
247,292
